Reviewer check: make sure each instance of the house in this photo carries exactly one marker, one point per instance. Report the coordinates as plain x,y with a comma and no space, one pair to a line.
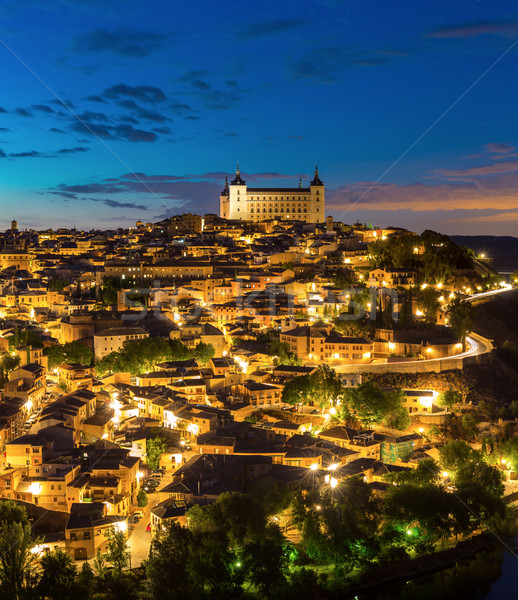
86,531
395,448
167,511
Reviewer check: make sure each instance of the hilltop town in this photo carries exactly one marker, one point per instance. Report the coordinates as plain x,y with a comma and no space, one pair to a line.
150,370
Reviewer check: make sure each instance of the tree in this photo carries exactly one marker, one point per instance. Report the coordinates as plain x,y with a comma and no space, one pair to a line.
203,352
406,316
419,515
155,447
59,579
297,390
141,356
427,472
455,453
9,363
370,404
16,560
265,562
461,315
428,301
117,553
282,353
142,498
71,352
168,567
448,399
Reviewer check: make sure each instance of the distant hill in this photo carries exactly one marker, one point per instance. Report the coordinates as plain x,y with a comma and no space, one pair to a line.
503,250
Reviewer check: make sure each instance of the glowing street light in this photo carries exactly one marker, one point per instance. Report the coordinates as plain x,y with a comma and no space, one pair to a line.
313,467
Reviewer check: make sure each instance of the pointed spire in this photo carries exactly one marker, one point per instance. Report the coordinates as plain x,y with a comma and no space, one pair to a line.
316,178
300,183
237,180
225,189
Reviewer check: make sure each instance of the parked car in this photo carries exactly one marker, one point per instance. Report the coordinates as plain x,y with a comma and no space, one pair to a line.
158,473
148,528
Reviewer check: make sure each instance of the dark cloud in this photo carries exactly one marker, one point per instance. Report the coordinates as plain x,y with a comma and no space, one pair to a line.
143,113
2,154
75,150
192,74
179,107
28,154
162,130
43,108
199,84
269,27
2,109
124,42
4,129
23,112
128,119
143,93
507,29
95,98
56,130
63,103
116,204
116,132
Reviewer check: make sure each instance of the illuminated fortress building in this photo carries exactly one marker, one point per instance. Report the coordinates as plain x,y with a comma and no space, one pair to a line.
237,201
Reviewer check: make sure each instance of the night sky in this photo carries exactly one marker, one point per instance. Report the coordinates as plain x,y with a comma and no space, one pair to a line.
113,111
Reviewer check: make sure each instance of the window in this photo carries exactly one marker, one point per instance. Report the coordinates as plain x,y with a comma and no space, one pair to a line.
73,536
86,535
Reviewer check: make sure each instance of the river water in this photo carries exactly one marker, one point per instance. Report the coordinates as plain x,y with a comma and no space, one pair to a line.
488,576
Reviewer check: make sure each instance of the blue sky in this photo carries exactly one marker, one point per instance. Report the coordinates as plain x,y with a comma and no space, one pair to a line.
113,111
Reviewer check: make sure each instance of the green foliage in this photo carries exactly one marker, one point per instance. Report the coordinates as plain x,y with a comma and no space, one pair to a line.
59,578
142,498
370,405
461,315
17,578
448,399
428,302
438,262
406,315
426,473
455,453
9,363
417,516
339,531
57,284
108,292
282,353
469,425
203,352
155,447
141,356
323,387
117,552
353,327
184,564
72,352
